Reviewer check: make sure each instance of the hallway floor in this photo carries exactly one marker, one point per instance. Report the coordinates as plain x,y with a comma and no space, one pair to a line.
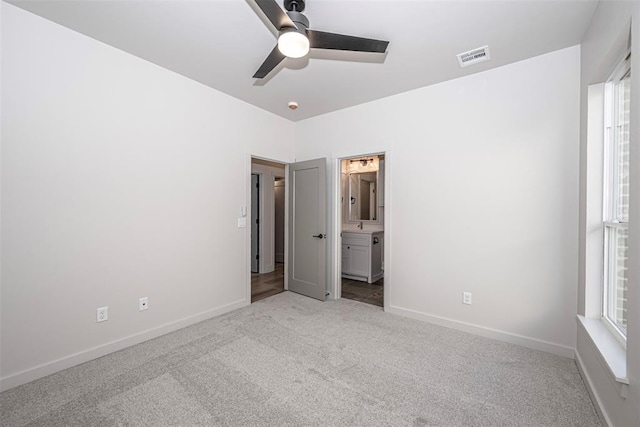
267,284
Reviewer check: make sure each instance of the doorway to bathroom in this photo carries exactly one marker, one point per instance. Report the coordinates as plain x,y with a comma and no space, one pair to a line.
362,181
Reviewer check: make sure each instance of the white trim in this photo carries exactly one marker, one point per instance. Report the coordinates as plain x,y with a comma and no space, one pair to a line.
247,234
595,398
286,229
534,343
612,355
615,224
388,232
615,331
592,232
83,356
336,220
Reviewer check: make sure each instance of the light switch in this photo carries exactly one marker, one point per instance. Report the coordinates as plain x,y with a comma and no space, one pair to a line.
242,222
243,211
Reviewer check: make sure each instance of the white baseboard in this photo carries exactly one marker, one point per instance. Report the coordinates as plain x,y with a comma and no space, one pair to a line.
536,344
597,403
75,359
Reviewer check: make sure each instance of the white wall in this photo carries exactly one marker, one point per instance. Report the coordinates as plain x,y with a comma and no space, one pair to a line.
483,175
603,44
112,189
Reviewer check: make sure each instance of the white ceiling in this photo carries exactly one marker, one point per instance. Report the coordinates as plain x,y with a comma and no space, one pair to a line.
221,43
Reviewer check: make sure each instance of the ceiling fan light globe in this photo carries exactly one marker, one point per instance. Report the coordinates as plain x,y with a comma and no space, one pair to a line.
293,44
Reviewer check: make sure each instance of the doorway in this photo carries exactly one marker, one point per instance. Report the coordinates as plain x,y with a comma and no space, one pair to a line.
362,228
305,227
268,180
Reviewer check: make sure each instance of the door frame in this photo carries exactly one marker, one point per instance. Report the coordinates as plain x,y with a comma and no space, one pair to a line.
266,214
247,268
336,225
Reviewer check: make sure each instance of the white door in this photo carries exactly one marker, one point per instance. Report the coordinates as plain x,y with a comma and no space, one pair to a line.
308,228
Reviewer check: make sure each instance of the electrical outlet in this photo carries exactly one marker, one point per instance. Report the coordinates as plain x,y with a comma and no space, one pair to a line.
143,303
102,314
466,298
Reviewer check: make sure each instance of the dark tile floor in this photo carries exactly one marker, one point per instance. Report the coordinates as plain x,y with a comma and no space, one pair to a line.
371,293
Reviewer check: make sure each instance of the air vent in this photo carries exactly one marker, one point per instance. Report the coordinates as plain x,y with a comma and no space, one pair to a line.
474,56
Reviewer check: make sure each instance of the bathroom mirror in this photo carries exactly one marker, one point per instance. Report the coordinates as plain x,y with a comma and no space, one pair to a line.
363,200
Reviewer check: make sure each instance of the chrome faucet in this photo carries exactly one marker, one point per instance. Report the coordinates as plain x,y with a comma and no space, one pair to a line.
360,225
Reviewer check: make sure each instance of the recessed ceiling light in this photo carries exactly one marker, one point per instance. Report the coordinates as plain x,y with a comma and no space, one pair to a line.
293,105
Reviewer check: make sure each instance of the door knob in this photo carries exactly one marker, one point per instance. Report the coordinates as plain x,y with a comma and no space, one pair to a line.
320,236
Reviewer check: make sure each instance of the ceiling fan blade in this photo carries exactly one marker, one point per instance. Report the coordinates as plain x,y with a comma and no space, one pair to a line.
322,40
272,61
275,14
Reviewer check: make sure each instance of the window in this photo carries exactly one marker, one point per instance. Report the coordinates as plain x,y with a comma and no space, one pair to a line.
616,198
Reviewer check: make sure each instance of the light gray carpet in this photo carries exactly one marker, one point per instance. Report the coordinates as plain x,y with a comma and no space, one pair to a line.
293,361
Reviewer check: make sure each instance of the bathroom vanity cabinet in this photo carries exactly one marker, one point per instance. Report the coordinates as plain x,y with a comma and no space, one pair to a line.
362,255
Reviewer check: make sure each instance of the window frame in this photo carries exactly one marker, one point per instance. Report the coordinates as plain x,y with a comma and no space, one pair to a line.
612,222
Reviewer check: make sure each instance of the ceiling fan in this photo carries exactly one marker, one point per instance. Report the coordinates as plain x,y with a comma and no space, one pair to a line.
295,38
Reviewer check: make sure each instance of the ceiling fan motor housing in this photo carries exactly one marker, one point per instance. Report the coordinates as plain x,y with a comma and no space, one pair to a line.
299,19
301,22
